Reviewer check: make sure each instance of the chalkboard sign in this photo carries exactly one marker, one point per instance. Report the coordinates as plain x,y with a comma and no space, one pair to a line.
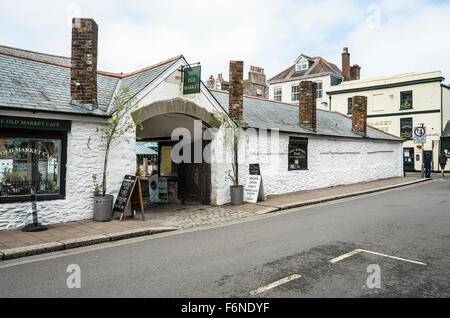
254,169
124,193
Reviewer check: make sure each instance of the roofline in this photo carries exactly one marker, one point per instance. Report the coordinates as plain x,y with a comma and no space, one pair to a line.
118,75
391,85
29,51
52,112
445,85
302,77
323,110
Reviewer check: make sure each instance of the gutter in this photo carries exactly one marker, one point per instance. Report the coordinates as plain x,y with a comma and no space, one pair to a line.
34,111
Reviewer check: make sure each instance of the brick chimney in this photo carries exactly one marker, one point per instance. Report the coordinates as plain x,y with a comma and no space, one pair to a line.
307,105
359,115
346,64
211,83
236,95
256,76
355,71
83,77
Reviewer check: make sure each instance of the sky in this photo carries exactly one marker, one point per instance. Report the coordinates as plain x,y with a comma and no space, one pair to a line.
384,37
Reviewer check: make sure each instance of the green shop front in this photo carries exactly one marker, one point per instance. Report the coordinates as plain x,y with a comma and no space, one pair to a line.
33,154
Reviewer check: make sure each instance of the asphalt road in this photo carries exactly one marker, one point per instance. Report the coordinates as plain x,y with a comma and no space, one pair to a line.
411,223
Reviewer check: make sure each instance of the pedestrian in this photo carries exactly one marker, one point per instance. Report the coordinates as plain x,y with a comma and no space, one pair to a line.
427,165
442,162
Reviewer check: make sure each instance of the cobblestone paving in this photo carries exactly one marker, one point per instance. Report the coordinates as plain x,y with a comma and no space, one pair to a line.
191,216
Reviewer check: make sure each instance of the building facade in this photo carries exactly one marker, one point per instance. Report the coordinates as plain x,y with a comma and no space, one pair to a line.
397,104
52,107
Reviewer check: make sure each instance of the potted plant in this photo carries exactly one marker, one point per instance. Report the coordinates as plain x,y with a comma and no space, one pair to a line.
114,132
233,133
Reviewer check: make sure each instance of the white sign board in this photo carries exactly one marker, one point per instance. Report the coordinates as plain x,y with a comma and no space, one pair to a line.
420,135
252,188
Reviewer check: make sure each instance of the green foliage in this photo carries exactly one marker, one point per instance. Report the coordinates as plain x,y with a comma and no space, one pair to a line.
233,133
117,128
96,186
10,176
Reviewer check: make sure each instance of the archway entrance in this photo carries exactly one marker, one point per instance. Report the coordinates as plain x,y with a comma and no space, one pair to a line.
188,181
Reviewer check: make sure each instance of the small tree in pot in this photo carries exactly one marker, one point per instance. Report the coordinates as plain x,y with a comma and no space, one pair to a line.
233,134
119,125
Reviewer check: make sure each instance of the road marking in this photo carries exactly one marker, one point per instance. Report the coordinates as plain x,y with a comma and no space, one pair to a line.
107,245
274,284
340,258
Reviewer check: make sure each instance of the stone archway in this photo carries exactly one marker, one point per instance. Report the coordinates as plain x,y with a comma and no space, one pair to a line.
173,106
194,179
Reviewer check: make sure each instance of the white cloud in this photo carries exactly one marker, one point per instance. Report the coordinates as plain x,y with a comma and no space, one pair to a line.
270,34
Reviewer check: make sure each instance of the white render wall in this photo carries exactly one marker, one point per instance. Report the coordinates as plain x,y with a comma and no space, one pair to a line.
331,162
81,164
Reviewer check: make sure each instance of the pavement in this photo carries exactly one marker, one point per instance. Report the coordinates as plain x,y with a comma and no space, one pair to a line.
163,218
386,244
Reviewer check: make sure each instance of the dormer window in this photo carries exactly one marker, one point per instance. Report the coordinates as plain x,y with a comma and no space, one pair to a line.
301,65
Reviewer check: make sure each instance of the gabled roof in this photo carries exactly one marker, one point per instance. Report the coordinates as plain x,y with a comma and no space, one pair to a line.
317,66
37,81
268,114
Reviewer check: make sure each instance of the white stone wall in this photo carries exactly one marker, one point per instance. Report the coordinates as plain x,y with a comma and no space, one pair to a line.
331,162
81,164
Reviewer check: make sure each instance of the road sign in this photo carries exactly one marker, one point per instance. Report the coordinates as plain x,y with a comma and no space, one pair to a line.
420,135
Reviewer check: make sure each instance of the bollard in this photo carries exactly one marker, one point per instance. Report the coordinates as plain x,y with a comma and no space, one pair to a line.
35,226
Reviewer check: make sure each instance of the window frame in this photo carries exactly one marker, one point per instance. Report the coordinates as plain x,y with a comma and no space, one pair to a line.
349,105
403,107
275,95
319,90
25,133
412,127
305,143
295,93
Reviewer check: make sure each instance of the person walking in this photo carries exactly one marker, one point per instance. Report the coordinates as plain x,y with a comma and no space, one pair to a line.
427,165
442,162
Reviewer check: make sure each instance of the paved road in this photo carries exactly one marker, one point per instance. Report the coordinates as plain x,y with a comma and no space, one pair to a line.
410,223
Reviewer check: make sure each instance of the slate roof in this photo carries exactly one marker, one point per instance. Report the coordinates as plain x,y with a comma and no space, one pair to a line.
268,114
37,81
317,65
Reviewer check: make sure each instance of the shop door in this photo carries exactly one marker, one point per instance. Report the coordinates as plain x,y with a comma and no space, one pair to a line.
195,181
408,159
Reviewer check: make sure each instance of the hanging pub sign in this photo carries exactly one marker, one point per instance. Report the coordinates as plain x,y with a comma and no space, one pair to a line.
191,80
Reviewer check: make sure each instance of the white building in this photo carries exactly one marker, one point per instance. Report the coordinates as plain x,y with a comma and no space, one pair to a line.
398,103
43,118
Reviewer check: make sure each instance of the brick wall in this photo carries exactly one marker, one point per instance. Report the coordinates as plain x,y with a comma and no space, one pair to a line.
359,115
84,61
236,96
307,105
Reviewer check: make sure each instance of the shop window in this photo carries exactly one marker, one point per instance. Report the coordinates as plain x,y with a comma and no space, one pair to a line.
406,128
406,100
295,93
298,153
29,161
349,106
277,94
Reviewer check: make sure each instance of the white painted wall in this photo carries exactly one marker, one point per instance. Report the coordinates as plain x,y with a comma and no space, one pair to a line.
331,162
78,204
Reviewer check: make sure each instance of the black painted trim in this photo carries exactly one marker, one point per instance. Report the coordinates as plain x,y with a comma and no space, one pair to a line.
403,113
370,88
